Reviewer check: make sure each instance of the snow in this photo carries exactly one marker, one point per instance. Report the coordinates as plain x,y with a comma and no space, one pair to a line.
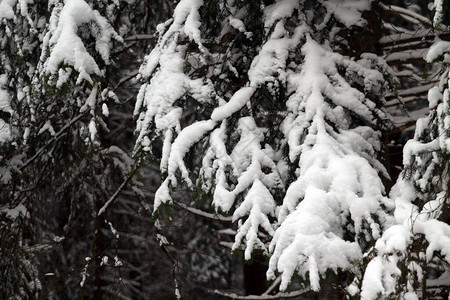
246,159
239,99
63,76
338,173
313,273
258,204
279,10
381,273
105,110
314,84
402,192
67,48
47,127
217,160
5,98
337,170
330,186
372,286
416,208
410,296
24,6
331,201
395,238
270,63
104,261
186,19
117,262
5,132
348,12
439,14
167,146
6,9
249,158
168,84
192,22
239,25
414,147
223,198
162,195
13,213
311,230
437,49
158,97
183,143
438,235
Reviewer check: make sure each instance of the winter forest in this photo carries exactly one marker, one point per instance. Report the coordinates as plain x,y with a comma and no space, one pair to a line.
200,149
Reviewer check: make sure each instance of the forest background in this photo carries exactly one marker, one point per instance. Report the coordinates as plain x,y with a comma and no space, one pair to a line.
220,149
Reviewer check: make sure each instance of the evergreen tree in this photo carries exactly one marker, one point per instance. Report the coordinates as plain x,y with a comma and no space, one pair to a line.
19,54
73,223
54,59
255,105
267,122
413,256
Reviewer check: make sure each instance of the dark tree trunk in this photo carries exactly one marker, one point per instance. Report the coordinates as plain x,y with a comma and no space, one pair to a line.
255,275
98,254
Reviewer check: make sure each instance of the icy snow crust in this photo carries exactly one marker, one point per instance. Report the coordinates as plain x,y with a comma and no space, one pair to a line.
337,172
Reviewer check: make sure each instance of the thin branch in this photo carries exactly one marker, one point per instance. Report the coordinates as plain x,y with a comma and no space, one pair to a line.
403,101
406,56
406,14
116,194
273,286
203,214
262,297
140,37
406,37
58,135
124,80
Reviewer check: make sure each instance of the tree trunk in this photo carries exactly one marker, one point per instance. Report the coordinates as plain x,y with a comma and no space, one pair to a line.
255,275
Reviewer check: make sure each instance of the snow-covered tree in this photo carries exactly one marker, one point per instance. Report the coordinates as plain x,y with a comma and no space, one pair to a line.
19,47
267,121
413,256
260,106
71,217
54,99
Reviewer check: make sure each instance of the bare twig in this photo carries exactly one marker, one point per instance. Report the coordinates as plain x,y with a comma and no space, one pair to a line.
116,194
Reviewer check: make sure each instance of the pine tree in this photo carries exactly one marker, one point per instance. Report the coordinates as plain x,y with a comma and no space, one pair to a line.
267,121
73,223
413,256
19,44
254,106
54,57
